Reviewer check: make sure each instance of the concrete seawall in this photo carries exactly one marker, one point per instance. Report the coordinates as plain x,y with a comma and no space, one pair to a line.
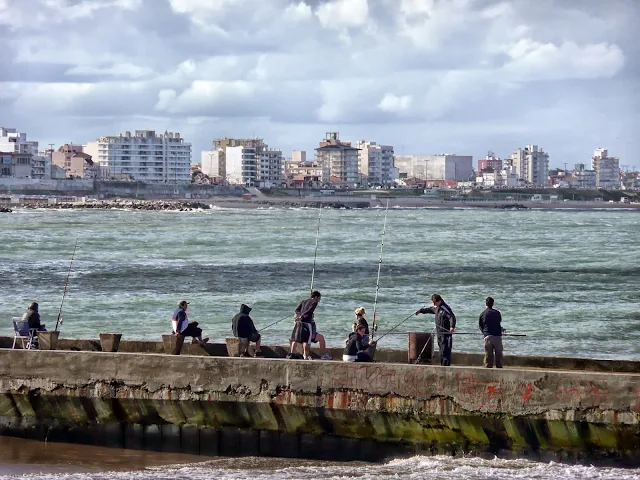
238,406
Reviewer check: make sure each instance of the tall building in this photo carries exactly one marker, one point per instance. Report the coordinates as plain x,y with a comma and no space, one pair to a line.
444,167
376,162
490,161
338,160
75,161
532,165
607,169
144,156
250,161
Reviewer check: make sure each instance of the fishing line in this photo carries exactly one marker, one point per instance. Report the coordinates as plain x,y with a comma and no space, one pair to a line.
315,254
375,300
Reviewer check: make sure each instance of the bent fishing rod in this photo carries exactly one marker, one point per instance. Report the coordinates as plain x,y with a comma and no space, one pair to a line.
375,300
66,283
464,333
272,324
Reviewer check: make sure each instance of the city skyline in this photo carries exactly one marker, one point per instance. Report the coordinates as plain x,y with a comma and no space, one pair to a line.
427,77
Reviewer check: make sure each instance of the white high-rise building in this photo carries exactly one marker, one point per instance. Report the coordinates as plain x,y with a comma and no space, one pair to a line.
144,157
338,160
607,169
532,165
213,163
376,162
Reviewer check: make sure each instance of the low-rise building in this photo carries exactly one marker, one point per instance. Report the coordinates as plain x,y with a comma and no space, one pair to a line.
299,174
15,164
445,167
490,162
76,163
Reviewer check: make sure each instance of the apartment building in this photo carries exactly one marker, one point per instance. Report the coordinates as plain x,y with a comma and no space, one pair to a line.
607,169
75,162
250,161
532,165
300,174
17,155
338,160
490,162
375,162
143,156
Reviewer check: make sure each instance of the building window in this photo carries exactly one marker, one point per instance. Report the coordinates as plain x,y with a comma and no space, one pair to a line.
6,171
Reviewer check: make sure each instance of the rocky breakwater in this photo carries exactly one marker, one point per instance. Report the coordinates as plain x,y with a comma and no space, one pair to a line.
5,210
154,205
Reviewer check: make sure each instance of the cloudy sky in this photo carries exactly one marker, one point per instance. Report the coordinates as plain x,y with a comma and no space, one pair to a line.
427,76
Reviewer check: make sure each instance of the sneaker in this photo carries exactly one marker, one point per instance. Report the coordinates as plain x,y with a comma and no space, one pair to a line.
204,340
258,353
308,358
326,356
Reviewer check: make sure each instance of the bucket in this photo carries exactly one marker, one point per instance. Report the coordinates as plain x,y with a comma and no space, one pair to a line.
418,341
48,340
110,342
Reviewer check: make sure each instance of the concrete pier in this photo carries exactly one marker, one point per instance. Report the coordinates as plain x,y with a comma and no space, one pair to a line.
334,410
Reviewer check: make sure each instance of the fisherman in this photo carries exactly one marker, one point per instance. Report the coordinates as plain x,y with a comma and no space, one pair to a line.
182,326
445,326
32,317
243,328
305,331
355,351
490,323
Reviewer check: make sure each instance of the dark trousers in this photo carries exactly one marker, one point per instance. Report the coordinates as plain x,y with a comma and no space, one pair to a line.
192,330
363,357
445,345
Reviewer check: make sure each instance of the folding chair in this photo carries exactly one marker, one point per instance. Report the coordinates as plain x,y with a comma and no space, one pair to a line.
22,332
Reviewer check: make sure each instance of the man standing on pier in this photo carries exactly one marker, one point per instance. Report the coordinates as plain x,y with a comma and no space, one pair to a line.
445,326
490,324
305,330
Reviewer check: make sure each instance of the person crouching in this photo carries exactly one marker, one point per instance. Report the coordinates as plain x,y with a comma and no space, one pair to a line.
355,351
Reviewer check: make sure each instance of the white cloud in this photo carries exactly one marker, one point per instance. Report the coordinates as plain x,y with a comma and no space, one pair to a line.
531,60
339,14
298,11
288,69
394,104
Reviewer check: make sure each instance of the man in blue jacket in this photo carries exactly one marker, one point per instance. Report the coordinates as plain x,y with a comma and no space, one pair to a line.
182,326
445,326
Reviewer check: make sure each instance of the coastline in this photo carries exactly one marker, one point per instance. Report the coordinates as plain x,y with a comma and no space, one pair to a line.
337,202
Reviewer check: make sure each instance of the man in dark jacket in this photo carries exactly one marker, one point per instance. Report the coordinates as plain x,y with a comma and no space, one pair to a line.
32,316
243,327
490,324
445,326
305,330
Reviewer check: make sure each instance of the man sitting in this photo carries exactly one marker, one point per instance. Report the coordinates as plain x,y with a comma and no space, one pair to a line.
244,329
181,325
32,317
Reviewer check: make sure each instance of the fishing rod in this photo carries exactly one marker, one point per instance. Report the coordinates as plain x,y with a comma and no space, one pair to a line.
464,333
66,283
277,321
375,300
315,254
396,326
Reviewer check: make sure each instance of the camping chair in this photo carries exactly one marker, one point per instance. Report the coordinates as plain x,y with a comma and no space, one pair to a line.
22,332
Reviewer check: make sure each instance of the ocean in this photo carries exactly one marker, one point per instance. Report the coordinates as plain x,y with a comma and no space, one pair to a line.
566,279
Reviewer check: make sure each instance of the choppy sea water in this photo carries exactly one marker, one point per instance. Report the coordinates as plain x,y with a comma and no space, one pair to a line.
567,279
25,459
